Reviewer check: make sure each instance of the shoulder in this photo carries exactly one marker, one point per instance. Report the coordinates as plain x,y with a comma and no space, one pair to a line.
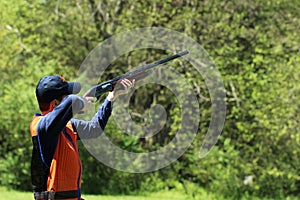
34,124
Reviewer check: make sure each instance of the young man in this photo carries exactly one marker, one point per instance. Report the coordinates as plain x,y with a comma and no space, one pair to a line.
55,166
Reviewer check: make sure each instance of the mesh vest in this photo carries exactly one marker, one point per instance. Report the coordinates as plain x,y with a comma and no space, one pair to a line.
63,174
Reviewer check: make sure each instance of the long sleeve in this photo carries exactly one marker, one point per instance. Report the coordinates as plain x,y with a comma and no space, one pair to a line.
51,125
55,121
94,127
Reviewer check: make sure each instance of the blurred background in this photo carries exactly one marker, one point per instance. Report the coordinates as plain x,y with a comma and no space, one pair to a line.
255,46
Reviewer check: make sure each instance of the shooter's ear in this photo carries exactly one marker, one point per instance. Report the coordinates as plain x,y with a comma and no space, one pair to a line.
54,103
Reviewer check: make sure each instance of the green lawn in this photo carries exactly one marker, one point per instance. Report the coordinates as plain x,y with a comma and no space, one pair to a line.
165,195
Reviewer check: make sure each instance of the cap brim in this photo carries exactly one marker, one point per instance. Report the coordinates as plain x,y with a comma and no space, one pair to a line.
74,87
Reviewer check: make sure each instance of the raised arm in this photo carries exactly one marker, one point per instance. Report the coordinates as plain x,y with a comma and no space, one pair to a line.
95,127
54,122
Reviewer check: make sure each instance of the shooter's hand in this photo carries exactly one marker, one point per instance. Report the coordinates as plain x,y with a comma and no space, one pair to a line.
121,87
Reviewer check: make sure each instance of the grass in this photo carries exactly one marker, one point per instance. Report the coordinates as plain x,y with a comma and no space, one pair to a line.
8,194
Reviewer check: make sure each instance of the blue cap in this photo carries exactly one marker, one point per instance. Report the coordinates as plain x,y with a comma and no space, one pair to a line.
53,87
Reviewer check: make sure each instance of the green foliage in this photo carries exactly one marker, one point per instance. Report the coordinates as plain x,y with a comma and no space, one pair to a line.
18,106
255,46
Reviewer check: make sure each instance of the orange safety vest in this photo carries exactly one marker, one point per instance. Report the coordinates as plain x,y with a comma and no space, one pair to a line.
64,173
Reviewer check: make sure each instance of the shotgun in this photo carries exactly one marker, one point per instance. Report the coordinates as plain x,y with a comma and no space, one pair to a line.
108,86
